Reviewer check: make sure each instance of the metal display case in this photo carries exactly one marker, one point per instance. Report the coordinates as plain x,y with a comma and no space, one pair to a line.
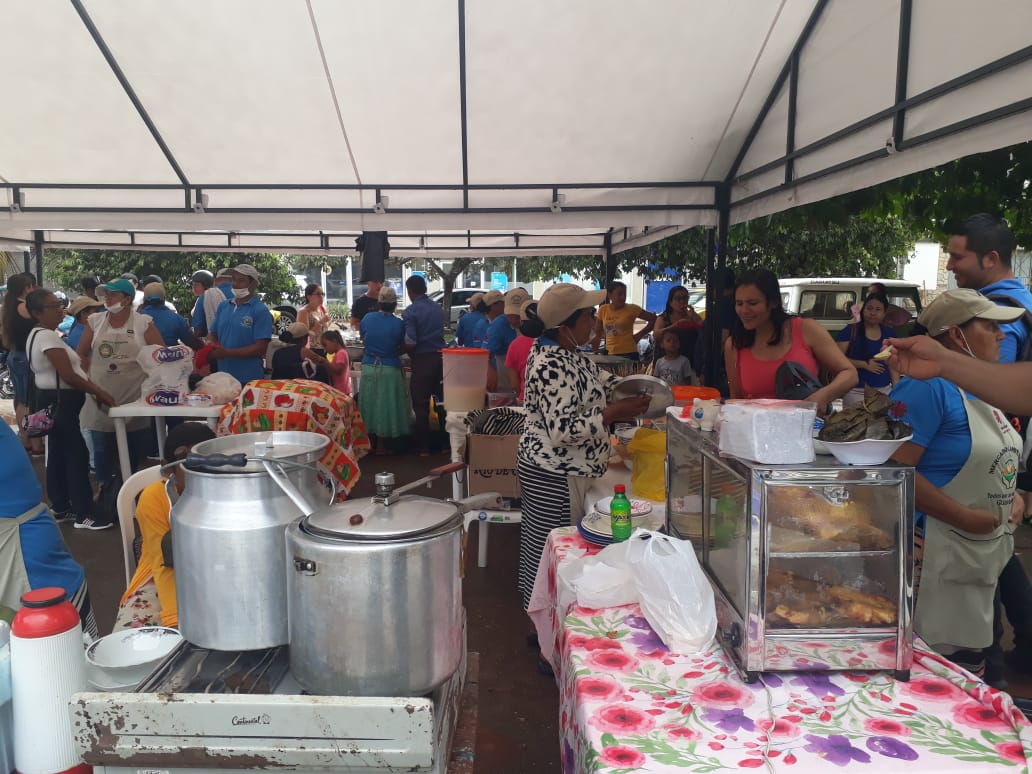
811,564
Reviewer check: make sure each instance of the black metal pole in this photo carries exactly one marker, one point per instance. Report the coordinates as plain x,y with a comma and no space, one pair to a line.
38,240
26,261
716,258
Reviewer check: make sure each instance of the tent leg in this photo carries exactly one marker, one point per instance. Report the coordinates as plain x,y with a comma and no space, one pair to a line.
38,240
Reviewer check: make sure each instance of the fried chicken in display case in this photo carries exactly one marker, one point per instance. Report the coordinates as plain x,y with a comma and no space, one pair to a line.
811,564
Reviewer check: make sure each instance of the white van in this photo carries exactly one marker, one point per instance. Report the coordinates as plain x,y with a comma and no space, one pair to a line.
830,300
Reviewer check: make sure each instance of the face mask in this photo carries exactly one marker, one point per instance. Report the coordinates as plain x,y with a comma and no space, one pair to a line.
967,347
241,292
115,308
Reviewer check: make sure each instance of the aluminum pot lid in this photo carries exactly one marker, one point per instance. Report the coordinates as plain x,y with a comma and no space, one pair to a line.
662,397
365,519
294,445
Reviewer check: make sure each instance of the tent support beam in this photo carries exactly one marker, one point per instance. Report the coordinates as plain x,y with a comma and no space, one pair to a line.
779,83
609,261
37,239
793,95
130,92
463,124
716,257
906,10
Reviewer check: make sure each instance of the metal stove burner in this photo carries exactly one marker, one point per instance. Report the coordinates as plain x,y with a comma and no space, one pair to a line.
192,669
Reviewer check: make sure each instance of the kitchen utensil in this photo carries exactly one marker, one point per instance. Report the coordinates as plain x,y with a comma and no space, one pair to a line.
228,535
659,391
128,651
375,593
866,452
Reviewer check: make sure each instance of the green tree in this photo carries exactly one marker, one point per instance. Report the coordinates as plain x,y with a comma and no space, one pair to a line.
66,268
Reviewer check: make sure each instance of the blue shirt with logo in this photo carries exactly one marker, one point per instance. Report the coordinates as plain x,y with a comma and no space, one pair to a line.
500,334
172,327
466,330
1015,333
240,325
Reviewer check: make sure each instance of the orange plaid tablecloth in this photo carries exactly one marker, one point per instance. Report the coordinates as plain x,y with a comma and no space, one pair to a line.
300,404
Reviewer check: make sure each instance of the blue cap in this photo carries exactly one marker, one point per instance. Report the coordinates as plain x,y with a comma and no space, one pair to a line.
120,286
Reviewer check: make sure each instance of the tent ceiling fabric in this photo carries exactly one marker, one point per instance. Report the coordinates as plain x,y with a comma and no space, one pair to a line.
481,126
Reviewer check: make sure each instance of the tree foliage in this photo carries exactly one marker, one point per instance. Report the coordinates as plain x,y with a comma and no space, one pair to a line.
65,269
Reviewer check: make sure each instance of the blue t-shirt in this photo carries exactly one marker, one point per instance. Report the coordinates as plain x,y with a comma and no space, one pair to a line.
227,289
382,335
47,561
74,334
1015,333
239,325
466,330
500,335
197,314
864,349
936,412
172,327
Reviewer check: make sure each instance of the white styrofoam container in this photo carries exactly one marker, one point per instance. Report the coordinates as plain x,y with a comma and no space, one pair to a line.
775,432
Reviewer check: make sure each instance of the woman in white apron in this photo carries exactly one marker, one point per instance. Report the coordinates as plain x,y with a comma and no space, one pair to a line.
966,454
108,349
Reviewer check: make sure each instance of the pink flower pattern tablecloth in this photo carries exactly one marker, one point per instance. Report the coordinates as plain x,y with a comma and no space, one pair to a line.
628,704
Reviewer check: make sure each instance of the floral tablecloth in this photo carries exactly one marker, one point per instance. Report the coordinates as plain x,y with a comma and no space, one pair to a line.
628,704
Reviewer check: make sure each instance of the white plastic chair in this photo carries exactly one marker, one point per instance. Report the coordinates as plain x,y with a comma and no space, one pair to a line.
126,505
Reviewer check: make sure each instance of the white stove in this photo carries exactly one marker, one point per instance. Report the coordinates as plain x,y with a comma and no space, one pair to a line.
205,711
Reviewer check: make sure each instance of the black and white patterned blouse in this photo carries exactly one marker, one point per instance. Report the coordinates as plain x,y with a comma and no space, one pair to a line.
564,397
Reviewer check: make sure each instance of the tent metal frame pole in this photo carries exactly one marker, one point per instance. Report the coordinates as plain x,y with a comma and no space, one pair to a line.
463,123
779,84
26,261
37,241
793,94
716,259
130,92
996,66
906,12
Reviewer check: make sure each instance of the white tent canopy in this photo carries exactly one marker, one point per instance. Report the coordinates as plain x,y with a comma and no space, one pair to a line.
472,127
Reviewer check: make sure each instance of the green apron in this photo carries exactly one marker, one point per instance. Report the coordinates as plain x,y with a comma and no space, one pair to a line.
955,601
14,581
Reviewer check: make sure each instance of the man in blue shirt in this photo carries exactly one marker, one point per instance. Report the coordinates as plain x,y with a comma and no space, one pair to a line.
81,308
171,325
464,331
980,250
242,329
501,332
424,340
224,282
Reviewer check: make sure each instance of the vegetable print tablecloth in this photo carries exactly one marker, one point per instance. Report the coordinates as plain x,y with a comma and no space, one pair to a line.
628,704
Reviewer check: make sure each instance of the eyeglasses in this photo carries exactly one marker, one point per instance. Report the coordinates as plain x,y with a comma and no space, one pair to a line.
55,305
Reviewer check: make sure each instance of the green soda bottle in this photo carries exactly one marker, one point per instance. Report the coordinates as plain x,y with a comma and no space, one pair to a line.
620,514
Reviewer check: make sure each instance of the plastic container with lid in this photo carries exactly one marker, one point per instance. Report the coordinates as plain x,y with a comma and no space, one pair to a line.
465,378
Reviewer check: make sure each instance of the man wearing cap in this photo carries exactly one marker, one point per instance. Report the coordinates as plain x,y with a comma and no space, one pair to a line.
81,308
519,351
242,329
224,283
501,332
205,304
173,328
364,304
424,340
89,288
980,250
966,454
137,293
465,330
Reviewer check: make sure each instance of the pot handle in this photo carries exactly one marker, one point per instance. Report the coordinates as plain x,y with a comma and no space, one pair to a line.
215,460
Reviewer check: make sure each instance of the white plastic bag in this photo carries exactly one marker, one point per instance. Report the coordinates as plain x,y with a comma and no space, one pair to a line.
601,580
167,372
222,387
675,596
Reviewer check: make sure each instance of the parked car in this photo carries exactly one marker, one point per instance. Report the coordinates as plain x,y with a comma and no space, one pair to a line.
830,300
460,301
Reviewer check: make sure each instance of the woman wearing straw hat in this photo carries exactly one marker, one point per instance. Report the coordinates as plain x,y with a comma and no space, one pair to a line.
569,409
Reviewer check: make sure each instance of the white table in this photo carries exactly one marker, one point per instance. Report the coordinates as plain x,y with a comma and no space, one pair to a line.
140,409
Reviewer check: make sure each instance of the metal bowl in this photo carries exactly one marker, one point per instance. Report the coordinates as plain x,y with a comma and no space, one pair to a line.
662,397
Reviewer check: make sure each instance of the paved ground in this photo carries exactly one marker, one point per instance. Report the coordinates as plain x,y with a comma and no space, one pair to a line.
518,729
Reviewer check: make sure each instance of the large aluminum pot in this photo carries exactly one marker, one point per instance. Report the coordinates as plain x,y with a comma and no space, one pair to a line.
375,597
228,538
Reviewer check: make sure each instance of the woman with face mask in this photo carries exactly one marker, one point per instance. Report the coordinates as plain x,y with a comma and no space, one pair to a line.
569,410
966,455
108,348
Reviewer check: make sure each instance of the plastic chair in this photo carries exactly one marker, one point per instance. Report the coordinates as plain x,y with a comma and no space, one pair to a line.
126,505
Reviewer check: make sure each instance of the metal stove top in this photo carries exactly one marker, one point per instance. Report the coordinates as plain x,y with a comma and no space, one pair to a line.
204,711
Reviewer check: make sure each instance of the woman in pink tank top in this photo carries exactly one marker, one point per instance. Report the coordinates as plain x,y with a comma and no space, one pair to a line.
765,336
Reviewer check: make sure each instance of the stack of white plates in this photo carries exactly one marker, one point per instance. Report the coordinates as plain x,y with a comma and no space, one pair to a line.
596,527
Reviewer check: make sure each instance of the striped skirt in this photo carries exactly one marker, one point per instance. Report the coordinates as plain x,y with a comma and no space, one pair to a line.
545,497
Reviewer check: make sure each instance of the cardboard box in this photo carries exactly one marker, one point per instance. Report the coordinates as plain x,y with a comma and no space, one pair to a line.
492,464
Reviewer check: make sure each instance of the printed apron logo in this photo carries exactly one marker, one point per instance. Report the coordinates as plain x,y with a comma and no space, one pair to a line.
1008,471
105,349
